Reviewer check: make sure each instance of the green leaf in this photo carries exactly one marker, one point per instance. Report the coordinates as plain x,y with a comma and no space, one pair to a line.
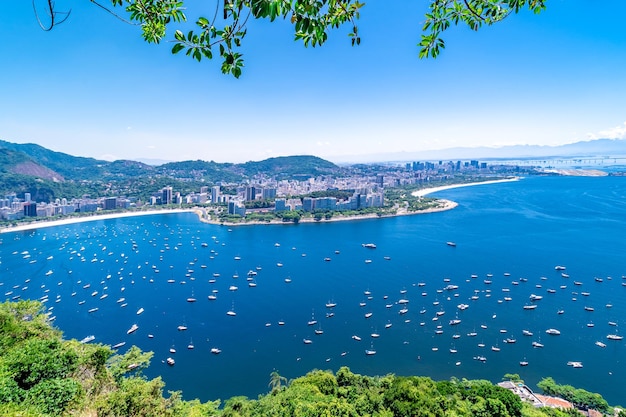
177,48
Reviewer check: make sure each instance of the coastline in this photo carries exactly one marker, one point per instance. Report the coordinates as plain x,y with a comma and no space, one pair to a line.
447,205
426,191
83,219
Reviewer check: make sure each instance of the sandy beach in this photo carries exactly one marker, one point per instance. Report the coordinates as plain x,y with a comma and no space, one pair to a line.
50,223
447,205
426,191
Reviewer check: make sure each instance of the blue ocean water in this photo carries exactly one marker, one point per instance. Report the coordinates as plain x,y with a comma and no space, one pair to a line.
510,234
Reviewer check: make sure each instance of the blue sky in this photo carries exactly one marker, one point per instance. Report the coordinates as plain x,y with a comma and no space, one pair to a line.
92,87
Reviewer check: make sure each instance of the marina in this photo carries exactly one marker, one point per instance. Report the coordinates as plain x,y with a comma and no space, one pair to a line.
454,309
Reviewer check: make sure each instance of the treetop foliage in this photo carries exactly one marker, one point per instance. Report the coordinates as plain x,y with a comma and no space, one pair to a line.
221,34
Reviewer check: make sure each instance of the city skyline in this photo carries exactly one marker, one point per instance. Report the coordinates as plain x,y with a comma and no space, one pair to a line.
92,87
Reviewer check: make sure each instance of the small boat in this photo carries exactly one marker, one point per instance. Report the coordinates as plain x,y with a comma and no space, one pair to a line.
357,338
191,300
530,307
331,304
600,344
614,337
553,332
141,310
369,245
523,363
170,361
452,244
559,268
588,308
182,327
216,351
575,364
537,345
527,333
307,341
87,339
368,315
92,310
118,345
132,329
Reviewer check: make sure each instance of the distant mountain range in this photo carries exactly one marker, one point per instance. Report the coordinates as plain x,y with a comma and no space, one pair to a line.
598,147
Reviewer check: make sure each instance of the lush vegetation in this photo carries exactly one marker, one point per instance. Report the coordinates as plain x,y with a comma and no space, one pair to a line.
41,374
577,396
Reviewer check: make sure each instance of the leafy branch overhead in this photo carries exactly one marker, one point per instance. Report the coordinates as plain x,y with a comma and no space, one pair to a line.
473,13
222,32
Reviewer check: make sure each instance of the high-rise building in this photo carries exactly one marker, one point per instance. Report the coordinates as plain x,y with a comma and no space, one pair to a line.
215,194
250,193
166,197
280,204
269,193
30,209
109,203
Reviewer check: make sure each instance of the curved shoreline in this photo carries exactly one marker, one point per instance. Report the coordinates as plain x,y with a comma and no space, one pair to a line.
82,219
425,191
448,205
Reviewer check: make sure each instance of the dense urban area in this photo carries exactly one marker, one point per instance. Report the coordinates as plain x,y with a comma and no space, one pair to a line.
355,189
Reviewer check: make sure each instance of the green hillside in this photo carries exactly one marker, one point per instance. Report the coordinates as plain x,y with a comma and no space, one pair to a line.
47,174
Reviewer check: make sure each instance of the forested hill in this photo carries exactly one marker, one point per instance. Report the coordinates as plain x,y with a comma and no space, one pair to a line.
42,374
33,168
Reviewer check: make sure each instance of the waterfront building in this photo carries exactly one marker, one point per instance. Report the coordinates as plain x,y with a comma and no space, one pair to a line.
215,193
236,207
109,203
30,209
166,195
280,204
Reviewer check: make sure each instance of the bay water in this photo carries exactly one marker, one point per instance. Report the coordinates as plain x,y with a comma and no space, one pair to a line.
278,279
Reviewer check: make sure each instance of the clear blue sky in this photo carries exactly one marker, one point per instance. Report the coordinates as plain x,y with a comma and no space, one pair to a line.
92,87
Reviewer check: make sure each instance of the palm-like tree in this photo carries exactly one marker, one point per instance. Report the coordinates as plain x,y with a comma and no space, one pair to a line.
276,380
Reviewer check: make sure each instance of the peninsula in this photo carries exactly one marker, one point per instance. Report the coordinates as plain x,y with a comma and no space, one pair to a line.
441,205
